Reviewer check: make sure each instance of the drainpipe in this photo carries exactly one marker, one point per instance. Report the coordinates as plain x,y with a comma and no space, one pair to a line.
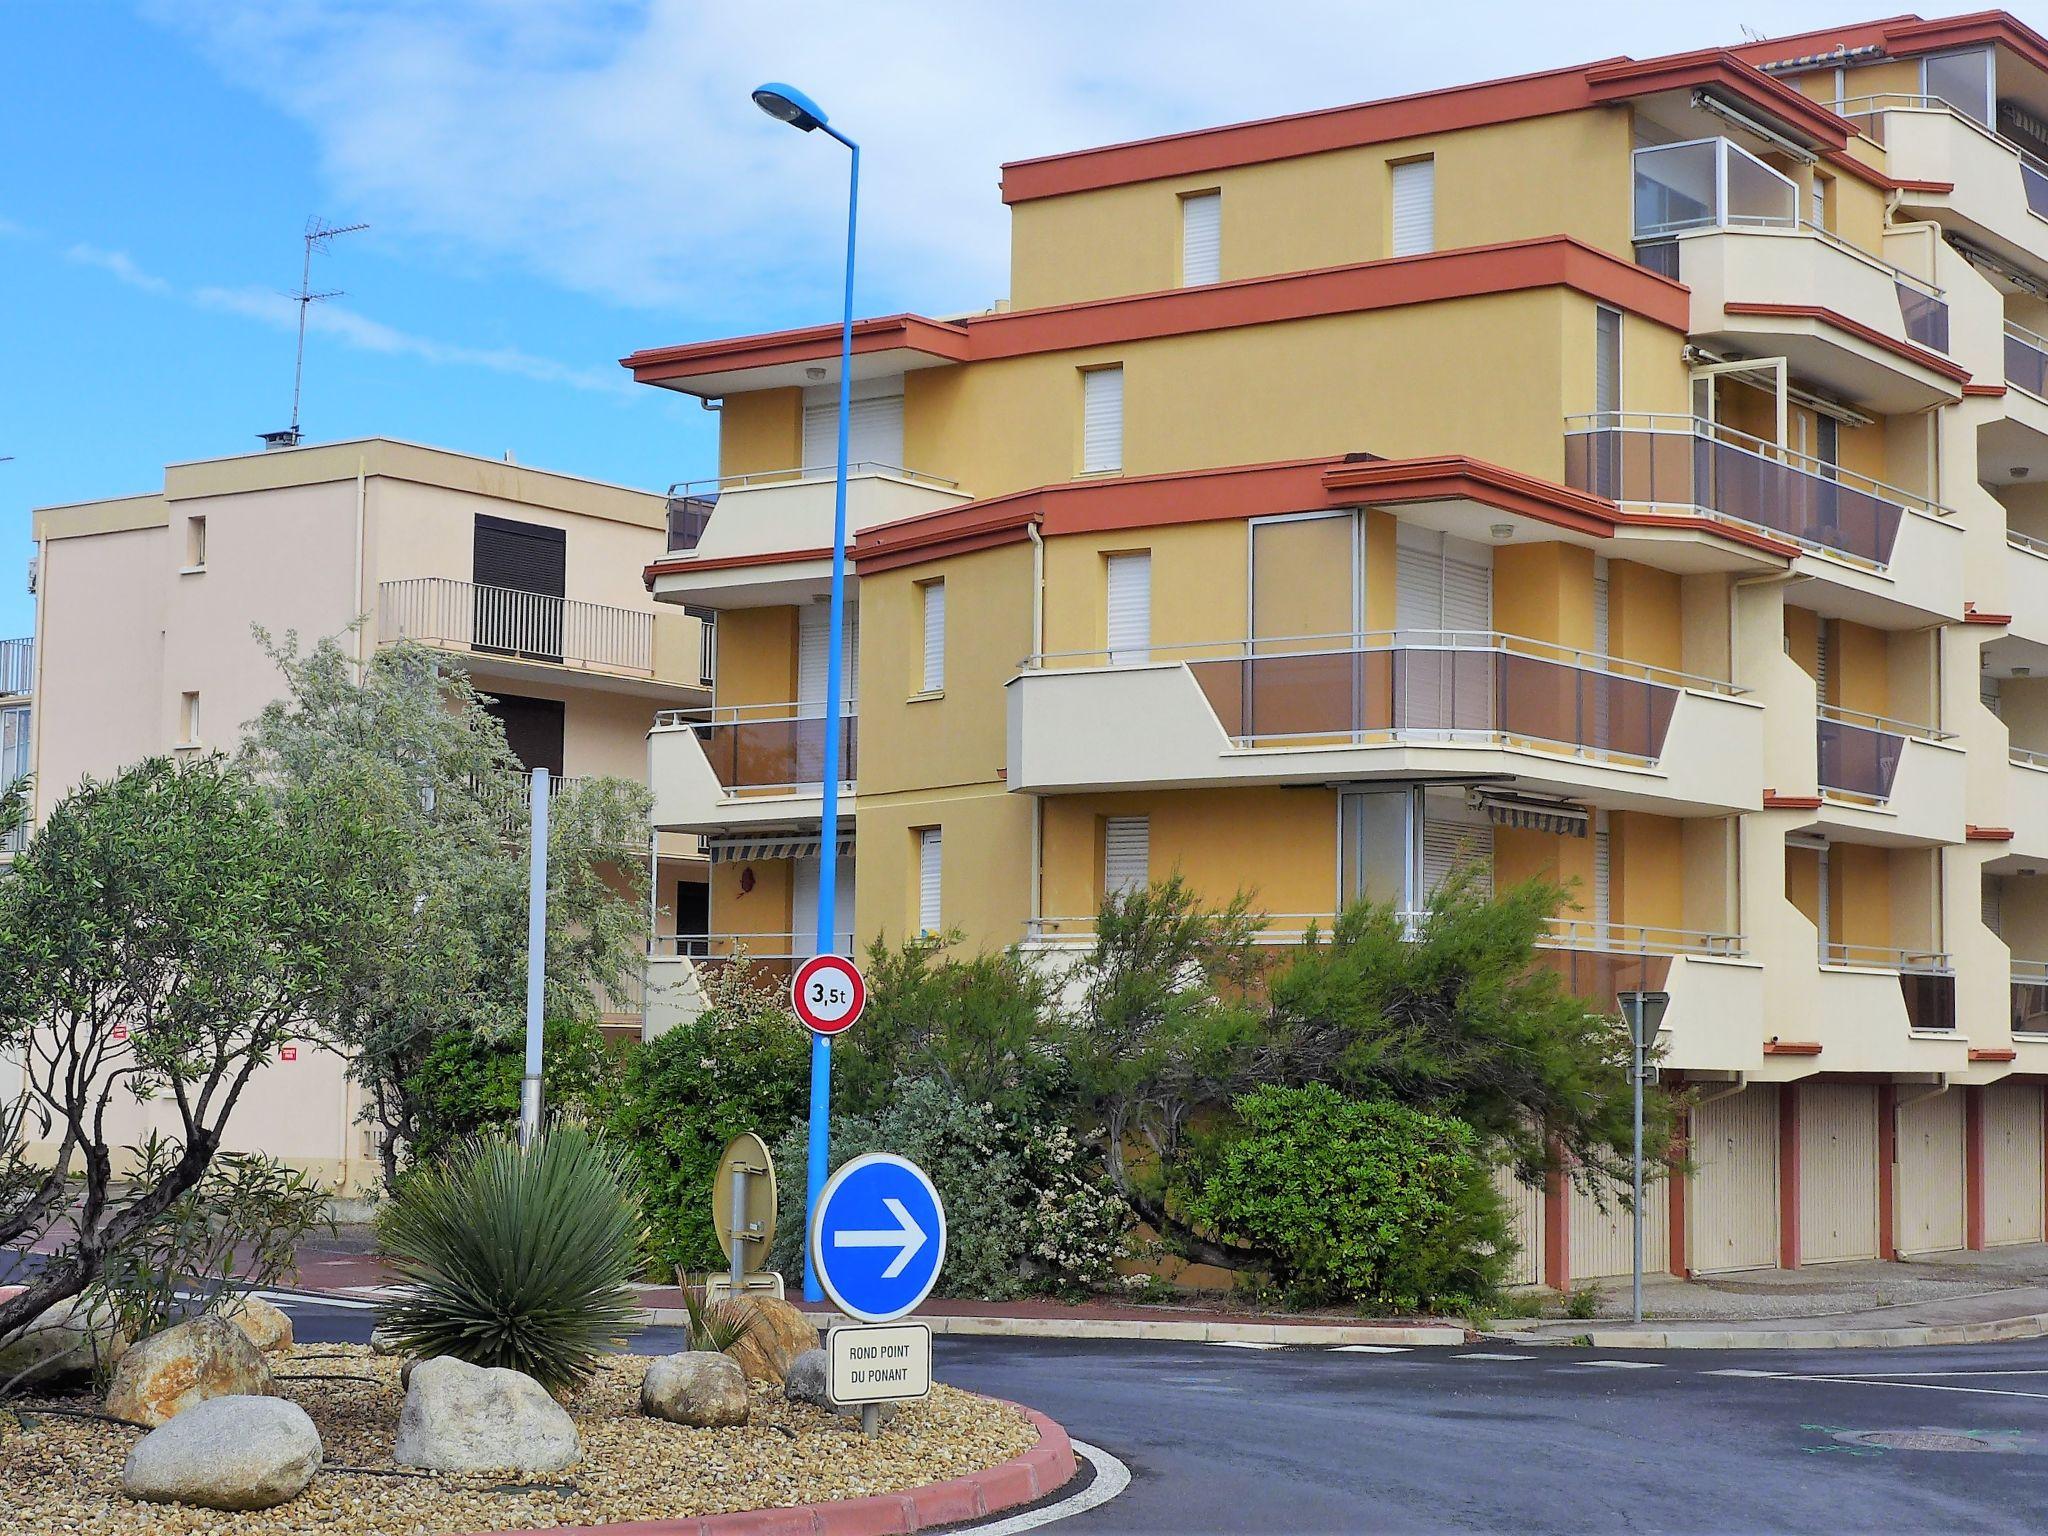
1941,1086
1741,1082
362,617
1037,651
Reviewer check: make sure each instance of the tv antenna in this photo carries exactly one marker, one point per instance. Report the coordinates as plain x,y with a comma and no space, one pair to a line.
319,235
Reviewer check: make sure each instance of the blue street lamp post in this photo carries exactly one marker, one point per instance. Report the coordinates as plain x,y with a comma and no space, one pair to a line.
788,105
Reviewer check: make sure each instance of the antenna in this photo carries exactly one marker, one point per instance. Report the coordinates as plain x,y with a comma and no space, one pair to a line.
319,234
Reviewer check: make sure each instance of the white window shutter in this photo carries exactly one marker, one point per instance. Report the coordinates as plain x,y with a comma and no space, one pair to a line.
1102,420
928,861
1130,608
874,425
1600,602
1603,888
1606,361
1201,238
1823,662
813,631
1126,854
1447,845
1414,207
934,636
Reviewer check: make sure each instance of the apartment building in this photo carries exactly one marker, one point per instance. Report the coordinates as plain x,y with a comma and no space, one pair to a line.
1630,473
145,620
17,698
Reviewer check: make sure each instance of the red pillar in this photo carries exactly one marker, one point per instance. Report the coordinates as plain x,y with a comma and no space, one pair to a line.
1887,1162
1788,1175
1681,1148
1557,1232
1973,1167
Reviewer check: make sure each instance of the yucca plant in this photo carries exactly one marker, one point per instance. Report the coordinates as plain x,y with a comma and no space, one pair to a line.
518,1259
715,1325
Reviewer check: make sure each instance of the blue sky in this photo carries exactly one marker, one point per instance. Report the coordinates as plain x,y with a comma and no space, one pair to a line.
550,185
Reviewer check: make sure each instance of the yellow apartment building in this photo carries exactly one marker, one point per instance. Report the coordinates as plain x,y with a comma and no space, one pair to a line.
144,618
1632,472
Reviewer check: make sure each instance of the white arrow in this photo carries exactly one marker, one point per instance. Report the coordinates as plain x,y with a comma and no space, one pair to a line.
908,1238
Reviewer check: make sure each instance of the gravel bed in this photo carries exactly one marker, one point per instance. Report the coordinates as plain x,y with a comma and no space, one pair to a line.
62,1475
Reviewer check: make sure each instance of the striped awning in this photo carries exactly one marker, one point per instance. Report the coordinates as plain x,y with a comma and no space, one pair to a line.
751,850
1560,816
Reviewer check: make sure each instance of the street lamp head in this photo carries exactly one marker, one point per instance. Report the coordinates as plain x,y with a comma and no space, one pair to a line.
787,104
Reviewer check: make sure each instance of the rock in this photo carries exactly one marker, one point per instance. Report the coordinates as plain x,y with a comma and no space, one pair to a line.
171,1371
267,1327
460,1417
226,1453
780,1333
382,1343
810,1381
699,1388
58,1345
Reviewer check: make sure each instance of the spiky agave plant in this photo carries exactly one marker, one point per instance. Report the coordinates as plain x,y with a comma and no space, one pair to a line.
715,1325
517,1259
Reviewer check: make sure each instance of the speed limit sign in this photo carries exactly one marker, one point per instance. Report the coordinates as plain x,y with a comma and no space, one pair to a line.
828,993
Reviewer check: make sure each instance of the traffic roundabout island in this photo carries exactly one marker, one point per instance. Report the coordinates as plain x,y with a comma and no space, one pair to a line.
791,1467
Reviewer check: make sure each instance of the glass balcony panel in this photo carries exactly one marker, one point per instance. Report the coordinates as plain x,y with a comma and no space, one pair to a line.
1598,976
2030,1005
688,515
1925,316
1857,759
1756,193
775,754
2026,360
1676,187
1930,999
2035,180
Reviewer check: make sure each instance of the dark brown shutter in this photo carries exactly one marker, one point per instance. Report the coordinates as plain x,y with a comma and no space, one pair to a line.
521,575
533,729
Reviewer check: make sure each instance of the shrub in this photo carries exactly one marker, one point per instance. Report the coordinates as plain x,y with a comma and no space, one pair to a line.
469,1081
1355,1200
743,1065
515,1258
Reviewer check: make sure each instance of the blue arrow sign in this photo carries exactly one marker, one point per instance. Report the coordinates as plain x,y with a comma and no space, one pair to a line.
878,1237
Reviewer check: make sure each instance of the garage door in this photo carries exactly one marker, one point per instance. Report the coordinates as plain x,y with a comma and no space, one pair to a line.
1837,1172
1603,1242
1525,1215
1735,1190
1930,1174
2012,1163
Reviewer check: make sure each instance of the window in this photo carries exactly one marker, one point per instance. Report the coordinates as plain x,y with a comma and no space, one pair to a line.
521,576
188,719
1126,854
195,543
1129,625
1963,80
1818,198
928,861
535,729
1201,238
707,643
1414,207
813,666
874,425
934,636
1102,420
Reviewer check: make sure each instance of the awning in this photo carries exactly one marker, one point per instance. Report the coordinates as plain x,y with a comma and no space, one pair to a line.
751,850
1560,816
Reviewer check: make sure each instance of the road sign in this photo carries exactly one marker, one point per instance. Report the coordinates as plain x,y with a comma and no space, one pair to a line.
747,1173
878,1237
880,1365
828,993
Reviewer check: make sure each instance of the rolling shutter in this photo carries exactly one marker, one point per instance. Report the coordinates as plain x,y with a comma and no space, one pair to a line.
813,633
520,571
1602,874
934,636
1414,207
1987,693
928,861
1102,420
874,427
1130,608
1600,609
1201,238
1823,662
534,729
1606,362
1126,854
1991,903
1442,582
1448,844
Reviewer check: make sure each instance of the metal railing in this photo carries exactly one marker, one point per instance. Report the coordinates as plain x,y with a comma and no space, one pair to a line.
2026,360
440,611
768,746
1859,753
1927,979
2026,541
1659,459
14,755
17,667
510,796
1868,114
691,502
2028,757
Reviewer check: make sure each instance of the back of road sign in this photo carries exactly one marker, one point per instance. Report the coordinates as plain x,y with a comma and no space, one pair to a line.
878,1237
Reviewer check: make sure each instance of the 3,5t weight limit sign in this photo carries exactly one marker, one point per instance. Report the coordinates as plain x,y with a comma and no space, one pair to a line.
828,993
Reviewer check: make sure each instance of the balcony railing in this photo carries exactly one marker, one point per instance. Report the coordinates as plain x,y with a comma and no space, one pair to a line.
1859,754
530,626
1708,183
770,955
2026,541
691,502
1684,462
2030,997
1927,979
1868,114
768,746
2026,360
510,795
17,666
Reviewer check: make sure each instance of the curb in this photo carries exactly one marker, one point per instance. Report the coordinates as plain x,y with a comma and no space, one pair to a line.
1046,1467
2035,1325
1193,1332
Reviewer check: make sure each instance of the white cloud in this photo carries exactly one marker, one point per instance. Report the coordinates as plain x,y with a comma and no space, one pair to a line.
612,150
119,265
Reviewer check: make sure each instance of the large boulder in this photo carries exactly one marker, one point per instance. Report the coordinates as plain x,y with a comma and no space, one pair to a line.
171,1371
62,1342
226,1453
268,1328
699,1388
810,1381
383,1342
780,1333
460,1417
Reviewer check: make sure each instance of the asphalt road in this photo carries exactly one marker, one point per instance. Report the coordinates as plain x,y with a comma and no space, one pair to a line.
1567,1440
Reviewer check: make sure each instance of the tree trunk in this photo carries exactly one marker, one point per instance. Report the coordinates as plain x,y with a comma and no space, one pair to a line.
1192,1244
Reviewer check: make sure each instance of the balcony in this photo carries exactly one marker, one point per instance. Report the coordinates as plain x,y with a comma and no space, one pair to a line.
17,667
2026,803
738,766
523,632
1925,982
1766,282
1889,549
2030,997
781,519
1402,704
1887,781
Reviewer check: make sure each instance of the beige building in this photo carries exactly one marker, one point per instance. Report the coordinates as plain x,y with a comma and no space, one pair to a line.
1632,473
144,636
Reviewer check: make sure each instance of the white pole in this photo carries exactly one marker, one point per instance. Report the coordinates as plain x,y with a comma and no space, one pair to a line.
536,959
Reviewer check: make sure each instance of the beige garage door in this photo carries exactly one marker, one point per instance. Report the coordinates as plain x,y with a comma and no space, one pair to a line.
1603,1242
1930,1176
2012,1163
1525,1218
1837,1172
1735,1190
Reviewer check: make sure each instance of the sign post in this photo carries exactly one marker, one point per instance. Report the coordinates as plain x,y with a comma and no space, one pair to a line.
877,1244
